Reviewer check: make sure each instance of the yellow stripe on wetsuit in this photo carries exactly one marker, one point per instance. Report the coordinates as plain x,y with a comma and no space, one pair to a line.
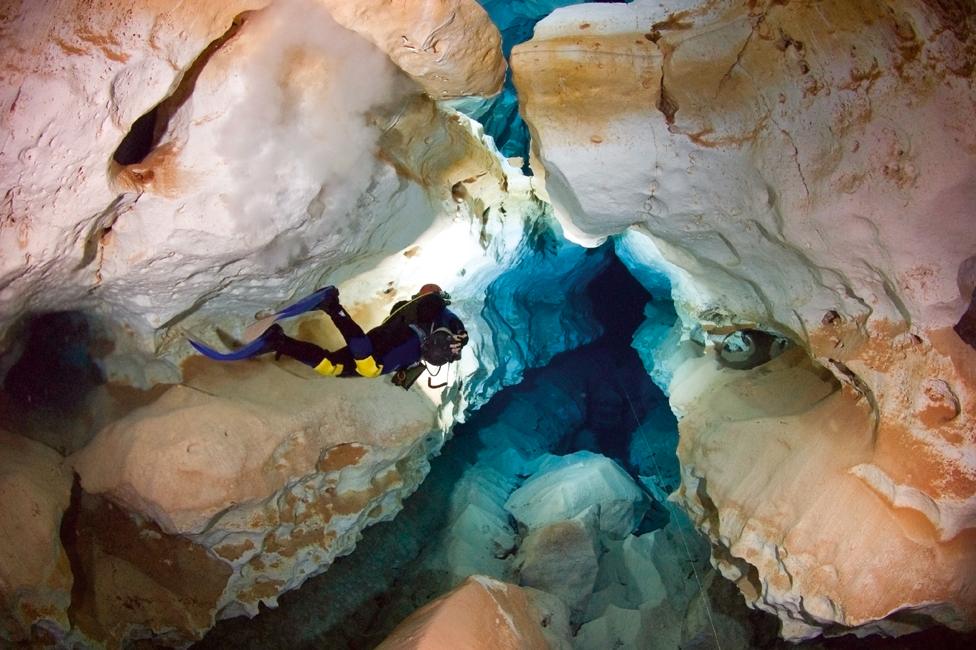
328,369
367,367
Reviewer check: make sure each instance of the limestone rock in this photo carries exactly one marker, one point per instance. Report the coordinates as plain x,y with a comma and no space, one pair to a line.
628,576
808,171
127,206
644,585
794,445
572,485
553,618
450,47
133,580
478,535
480,614
35,578
560,558
275,492
617,628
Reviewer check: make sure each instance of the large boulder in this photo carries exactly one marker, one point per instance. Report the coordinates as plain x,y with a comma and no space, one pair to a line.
273,492
560,558
35,576
787,490
482,613
575,485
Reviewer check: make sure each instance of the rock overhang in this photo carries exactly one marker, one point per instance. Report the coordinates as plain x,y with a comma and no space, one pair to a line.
780,202
775,162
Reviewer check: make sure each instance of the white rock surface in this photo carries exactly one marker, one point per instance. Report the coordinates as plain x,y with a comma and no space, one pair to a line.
262,180
574,485
809,170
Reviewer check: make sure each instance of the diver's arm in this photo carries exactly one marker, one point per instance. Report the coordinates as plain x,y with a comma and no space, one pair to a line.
450,320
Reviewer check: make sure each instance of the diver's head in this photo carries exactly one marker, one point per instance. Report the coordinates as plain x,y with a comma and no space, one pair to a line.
433,289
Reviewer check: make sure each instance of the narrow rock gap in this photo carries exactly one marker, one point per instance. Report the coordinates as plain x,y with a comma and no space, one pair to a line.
966,327
148,130
48,391
587,403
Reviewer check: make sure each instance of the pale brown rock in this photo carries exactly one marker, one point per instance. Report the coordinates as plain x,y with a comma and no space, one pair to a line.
263,472
805,169
787,511
560,558
35,579
134,580
480,614
450,47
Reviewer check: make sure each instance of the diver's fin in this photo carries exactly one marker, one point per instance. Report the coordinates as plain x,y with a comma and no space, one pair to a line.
258,327
252,349
308,303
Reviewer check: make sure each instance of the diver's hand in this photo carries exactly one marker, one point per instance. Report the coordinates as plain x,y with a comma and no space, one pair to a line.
458,341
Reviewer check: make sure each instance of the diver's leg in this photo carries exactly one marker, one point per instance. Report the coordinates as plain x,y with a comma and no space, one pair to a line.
324,362
359,344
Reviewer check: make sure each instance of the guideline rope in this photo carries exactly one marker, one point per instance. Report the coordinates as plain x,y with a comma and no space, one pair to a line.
681,532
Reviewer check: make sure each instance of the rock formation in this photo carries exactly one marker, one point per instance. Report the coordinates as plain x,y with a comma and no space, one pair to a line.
481,613
35,579
187,151
805,169
218,160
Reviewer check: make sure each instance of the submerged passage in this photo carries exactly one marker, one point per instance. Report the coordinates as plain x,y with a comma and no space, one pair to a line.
557,484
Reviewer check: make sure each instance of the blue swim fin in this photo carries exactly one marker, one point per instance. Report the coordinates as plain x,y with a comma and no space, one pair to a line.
252,349
257,330
308,303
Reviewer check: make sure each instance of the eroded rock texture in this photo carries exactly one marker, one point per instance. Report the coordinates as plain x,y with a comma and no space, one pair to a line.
35,579
172,171
804,168
481,613
223,140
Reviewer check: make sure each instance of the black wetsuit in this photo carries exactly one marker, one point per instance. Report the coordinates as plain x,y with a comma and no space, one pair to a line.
393,345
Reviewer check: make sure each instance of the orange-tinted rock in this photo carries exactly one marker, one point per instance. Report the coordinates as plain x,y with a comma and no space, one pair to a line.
35,580
133,579
805,169
778,471
480,614
268,466
451,48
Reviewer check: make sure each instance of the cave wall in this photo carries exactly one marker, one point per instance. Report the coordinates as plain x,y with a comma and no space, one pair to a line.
805,168
224,183
272,151
797,167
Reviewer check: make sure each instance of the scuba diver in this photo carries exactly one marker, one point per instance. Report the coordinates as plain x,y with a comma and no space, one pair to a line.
419,329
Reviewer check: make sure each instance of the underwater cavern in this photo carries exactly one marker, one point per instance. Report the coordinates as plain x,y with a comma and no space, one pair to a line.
459,324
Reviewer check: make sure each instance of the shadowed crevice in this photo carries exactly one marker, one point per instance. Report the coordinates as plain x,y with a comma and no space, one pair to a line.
147,131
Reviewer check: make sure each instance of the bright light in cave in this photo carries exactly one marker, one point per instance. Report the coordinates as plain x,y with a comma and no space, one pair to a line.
558,484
